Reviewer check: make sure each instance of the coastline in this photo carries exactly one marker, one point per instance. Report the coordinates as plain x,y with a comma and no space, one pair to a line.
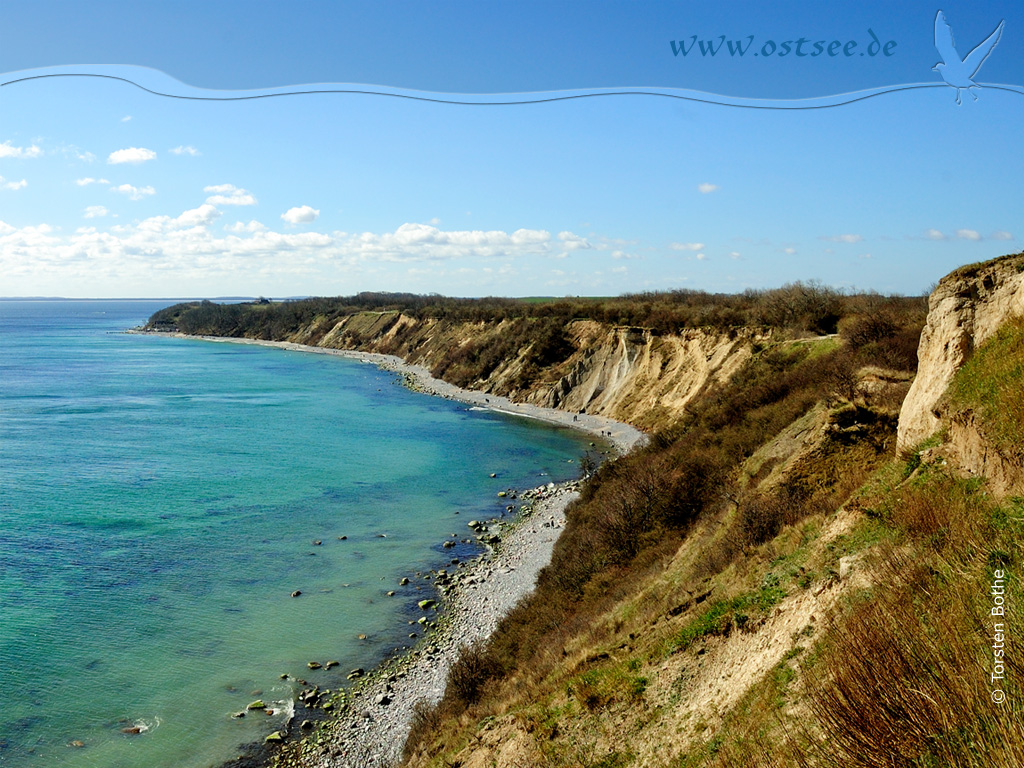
623,437
370,731
370,722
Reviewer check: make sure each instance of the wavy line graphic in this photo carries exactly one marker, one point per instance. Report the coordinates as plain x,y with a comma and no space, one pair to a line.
161,84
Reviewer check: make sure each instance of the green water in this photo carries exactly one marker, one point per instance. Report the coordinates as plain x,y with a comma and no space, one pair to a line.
159,503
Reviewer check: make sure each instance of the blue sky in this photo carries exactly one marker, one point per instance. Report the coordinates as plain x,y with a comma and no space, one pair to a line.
108,190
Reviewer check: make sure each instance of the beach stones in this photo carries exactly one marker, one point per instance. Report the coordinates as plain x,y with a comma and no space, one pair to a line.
331,664
258,704
314,664
403,582
296,593
274,738
356,673
427,604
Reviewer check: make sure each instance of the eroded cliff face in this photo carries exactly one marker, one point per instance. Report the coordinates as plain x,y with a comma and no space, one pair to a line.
966,308
634,376
628,374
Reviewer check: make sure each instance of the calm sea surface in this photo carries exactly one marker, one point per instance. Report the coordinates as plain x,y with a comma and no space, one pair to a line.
159,500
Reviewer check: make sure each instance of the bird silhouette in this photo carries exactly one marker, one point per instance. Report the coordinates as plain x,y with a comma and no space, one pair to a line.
957,72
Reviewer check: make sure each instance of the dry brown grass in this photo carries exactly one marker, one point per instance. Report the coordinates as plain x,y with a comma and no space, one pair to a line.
906,678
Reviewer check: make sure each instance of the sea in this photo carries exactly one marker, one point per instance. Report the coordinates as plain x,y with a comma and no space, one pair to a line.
161,500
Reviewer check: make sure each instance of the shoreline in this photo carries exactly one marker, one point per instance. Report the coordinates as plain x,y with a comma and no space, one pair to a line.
624,437
368,724
371,729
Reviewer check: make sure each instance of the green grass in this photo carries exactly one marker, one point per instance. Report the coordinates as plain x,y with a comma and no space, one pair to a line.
723,615
992,384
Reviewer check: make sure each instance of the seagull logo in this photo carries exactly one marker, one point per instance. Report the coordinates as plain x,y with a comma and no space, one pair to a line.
956,72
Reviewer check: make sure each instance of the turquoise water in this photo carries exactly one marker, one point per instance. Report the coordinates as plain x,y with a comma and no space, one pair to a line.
159,503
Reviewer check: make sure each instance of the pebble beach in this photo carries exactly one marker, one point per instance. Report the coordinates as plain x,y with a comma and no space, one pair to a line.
367,726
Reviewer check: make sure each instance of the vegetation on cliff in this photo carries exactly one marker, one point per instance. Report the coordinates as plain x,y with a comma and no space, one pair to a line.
766,582
619,603
640,359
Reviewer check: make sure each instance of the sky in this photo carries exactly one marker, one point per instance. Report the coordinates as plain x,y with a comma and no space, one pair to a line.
665,170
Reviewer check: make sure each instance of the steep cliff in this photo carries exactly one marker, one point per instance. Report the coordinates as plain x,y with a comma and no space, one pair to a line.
966,308
968,339
629,374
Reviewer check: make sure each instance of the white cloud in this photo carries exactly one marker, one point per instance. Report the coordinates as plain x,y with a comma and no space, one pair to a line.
94,211
133,155
13,185
1001,235
686,246
706,188
135,193
7,150
126,118
844,238
240,228
200,216
968,234
89,180
571,242
303,215
229,194
186,150
864,256
434,221
934,234
701,257
735,255
192,248
789,251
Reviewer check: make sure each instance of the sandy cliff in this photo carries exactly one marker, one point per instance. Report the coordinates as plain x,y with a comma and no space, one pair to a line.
966,308
628,374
